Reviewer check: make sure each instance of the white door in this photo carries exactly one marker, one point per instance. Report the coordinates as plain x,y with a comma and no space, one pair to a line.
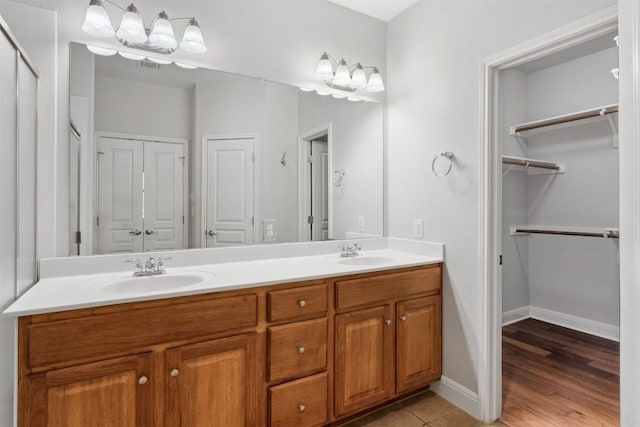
229,192
120,226
319,191
163,196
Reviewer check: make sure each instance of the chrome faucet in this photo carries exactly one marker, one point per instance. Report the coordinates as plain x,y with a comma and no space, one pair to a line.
349,251
150,268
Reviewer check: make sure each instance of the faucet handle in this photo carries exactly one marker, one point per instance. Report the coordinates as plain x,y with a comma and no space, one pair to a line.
136,261
357,246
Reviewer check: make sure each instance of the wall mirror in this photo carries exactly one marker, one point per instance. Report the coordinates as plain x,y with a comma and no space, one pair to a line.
166,158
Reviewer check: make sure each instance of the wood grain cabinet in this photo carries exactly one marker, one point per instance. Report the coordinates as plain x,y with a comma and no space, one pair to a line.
107,393
302,354
386,350
365,367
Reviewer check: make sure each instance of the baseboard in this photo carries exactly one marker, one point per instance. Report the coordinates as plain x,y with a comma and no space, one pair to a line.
457,394
592,327
515,315
581,324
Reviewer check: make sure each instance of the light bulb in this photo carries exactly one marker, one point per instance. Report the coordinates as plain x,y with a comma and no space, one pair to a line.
131,27
339,95
375,82
305,89
102,51
359,78
162,33
342,78
131,56
323,93
159,61
192,40
96,20
324,71
186,66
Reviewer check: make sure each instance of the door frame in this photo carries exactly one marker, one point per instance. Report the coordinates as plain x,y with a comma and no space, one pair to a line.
143,138
490,178
203,182
304,202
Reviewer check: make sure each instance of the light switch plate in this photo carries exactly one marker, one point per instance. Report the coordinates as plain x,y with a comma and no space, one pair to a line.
418,228
361,225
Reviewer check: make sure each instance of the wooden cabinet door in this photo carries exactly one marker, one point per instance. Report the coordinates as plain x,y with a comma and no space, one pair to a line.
116,392
365,365
213,383
419,342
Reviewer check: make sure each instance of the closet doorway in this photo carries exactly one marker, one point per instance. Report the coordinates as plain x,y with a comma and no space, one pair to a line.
141,195
560,230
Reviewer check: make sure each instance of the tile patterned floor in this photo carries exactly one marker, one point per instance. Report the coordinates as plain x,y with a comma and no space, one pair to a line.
426,409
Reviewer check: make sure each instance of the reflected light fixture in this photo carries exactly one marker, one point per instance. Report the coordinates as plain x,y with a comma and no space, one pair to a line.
158,38
348,78
103,51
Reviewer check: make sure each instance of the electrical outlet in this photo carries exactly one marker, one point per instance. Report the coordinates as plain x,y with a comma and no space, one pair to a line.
269,230
361,224
418,228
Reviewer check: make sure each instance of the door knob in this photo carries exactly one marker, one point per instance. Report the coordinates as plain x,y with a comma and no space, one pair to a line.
135,232
301,350
302,408
403,318
142,380
211,233
388,322
302,303
147,232
174,372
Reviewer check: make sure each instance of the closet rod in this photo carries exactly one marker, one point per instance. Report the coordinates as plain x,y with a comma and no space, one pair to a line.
529,163
596,112
606,234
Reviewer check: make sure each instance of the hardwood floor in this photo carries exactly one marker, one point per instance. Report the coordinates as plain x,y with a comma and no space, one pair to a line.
554,376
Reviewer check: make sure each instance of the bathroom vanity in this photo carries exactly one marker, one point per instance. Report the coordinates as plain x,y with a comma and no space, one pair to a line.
295,353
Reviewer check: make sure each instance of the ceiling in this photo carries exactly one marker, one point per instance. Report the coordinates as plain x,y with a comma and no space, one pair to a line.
384,10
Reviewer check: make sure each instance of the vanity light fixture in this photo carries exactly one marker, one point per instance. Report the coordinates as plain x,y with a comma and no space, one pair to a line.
348,78
104,51
159,38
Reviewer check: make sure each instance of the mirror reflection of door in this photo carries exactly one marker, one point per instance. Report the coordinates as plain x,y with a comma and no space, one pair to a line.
319,168
75,160
229,192
141,195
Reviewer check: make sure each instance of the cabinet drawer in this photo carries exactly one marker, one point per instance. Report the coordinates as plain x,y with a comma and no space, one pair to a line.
130,331
297,303
385,287
297,349
300,403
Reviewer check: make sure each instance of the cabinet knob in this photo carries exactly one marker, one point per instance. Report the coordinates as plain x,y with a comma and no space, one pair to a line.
302,303
388,322
301,350
174,372
403,318
143,380
302,408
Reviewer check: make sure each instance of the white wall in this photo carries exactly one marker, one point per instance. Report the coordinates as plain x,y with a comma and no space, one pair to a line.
434,54
578,276
138,108
515,196
356,147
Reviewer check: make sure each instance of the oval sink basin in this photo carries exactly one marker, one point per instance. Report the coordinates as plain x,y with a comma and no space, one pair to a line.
154,283
367,260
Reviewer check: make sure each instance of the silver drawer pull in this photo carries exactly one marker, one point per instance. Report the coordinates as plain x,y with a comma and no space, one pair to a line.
174,372
302,408
143,380
301,349
302,303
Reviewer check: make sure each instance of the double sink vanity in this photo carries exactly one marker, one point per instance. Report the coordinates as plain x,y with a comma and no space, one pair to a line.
284,335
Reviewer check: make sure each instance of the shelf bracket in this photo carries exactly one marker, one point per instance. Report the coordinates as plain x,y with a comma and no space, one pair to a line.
614,131
507,171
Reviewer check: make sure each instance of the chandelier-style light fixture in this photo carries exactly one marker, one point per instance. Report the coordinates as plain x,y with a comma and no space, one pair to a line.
132,33
350,78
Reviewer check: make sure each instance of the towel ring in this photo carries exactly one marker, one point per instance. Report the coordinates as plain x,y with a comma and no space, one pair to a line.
447,155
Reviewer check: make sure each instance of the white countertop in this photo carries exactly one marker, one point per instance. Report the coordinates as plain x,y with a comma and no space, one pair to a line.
68,292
